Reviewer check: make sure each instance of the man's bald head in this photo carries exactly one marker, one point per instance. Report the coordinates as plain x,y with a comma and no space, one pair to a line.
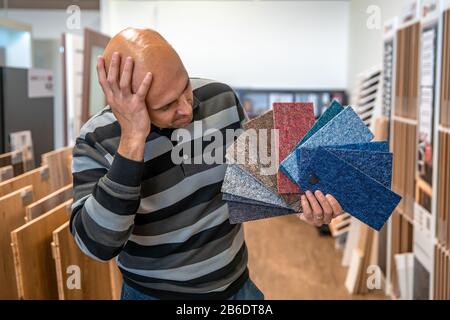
150,53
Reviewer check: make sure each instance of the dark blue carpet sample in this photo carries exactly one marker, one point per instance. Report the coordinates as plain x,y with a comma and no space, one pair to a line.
360,195
377,165
381,146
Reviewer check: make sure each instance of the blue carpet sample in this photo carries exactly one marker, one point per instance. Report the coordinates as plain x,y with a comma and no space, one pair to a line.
289,165
345,128
381,146
360,195
332,111
377,165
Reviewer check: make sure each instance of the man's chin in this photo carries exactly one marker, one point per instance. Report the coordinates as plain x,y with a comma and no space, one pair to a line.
181,124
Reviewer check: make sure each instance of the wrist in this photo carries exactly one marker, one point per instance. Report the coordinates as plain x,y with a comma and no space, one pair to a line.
130,136
125,171
132,147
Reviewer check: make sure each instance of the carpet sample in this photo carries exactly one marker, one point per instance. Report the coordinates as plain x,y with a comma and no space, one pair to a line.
293,120
360,195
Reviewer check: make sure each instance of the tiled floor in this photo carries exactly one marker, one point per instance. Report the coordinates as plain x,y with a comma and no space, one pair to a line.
289,260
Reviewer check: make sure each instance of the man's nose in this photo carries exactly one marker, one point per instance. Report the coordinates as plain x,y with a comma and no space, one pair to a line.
184,108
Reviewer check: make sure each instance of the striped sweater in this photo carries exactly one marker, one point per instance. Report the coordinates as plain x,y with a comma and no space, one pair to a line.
165,223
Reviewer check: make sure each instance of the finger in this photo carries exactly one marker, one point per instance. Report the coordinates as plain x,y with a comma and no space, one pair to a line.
337,209
145,85
316,208
307,212
305,219
125,79
113,72
326,207
101,74
302,217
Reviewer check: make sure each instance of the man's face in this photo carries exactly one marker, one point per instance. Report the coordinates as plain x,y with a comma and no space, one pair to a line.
172,107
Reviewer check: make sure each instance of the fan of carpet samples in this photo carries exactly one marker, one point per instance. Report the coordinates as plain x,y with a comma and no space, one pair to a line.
269,169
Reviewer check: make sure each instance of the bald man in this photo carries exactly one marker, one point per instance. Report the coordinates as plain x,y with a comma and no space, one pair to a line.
165,222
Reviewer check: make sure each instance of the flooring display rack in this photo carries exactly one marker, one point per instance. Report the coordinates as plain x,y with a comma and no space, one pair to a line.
419,132
39,257
389,45
403,126
366,95
440,281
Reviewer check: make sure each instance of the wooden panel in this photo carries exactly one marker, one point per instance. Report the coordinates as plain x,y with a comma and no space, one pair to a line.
6,173
95,277
340,225
59,165
407,71
441,273
352,241
447,283
362,255
38,178
446,277
381,129
15,159
445,81
365,245
402,242
352,280
34,265
404,165
12,210
116,280
92,39
47,203
410,170
436,274
443,194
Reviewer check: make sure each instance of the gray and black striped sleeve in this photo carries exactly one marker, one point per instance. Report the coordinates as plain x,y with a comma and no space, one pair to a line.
106,199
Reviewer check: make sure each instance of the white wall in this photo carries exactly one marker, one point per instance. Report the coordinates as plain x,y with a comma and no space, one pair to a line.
17,48
50,25
272,44
366,44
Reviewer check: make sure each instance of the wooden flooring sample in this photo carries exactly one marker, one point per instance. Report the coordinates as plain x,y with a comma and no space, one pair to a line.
12,211
34,265
49,202
58,162
38,178
95,277
15,159
6,173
